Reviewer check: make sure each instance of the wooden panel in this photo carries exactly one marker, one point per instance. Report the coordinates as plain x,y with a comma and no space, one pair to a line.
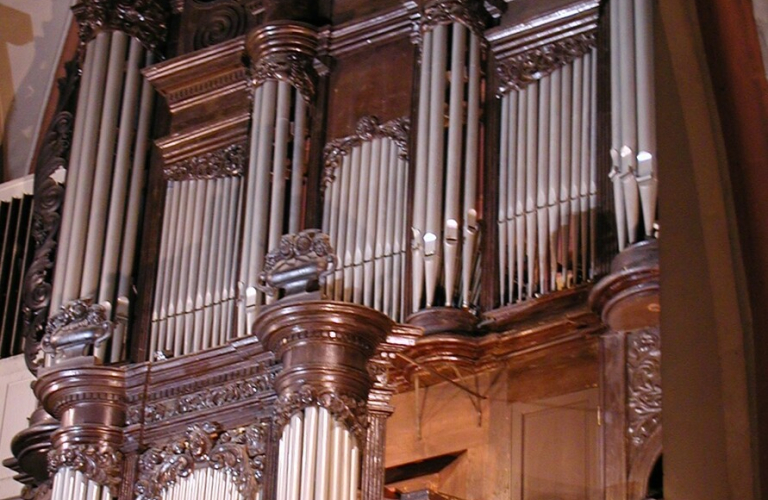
555,452
360,87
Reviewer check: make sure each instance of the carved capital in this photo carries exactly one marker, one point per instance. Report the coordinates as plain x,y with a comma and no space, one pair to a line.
285,51
102,463
468,12
227,162
239,452
369,127
519,71
643,386
145,20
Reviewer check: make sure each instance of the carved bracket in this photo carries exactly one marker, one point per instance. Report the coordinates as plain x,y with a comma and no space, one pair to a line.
145,20
643,386
226,162
346,409
240,452
519,71
368,127
101,463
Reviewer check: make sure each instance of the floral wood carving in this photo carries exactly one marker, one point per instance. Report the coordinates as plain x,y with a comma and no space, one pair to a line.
346,409
519,71
239,452
292,67
643,385
46,218
100,463
227,162
468,12
368,127
145,20
78,326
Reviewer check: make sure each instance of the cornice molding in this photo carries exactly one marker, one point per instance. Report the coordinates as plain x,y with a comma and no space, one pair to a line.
378,29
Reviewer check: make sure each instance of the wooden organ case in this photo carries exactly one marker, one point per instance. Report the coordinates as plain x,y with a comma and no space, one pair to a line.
350,249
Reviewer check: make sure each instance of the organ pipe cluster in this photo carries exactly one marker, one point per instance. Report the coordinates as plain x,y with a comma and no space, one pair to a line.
548,182
445,212
70,484
633,119
105,180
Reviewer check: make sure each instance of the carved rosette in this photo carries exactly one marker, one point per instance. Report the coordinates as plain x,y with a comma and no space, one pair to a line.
48,200
226,162
239,452
101,463
643,386
368,128
468,12
145,20
519,71
286,52
349,410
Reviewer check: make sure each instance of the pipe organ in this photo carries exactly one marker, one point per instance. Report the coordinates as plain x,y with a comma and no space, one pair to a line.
263,358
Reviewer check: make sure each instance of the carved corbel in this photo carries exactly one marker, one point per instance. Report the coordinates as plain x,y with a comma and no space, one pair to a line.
285,51
145,20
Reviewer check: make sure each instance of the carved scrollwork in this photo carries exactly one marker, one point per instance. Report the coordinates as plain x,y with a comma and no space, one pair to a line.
349,410
46,221
145,20
468,12
368,127
227,162
102,463
212,397
239,452
293,67
643,385
518,72
220,24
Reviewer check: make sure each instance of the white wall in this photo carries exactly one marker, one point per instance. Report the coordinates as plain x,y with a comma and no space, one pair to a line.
17,402
32,33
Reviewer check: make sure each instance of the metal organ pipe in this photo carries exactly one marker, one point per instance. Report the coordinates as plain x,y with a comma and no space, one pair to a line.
69,484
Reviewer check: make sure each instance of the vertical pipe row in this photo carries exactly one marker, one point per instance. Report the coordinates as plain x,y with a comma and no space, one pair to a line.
547,188
69,484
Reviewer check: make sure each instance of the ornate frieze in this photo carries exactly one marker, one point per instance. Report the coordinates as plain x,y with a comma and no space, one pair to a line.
643,385
468,12
211,397
75,330
101,463
350,410
519,71
145,20
368,128
239,452
227,162
48,200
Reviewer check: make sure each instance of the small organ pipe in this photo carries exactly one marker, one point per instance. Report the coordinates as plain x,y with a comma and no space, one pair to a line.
400,238
531,190
420,188
360,220
322,469
371,224
341,250
297,162
349,250
521,157
282,128
542,184
646,115
553,199
390,292
576,124
309,453
387,164
503,191
565,172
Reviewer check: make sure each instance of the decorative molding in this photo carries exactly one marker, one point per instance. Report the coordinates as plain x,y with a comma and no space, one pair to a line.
296,69
348,409
211,397
227,162
101,463
240,452
48,200
78,327
145,20
468,12
378,29
299,264
368,128
643,386
518,72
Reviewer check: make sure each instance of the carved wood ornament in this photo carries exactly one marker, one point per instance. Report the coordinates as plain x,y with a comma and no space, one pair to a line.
239,452
643,386
145,20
